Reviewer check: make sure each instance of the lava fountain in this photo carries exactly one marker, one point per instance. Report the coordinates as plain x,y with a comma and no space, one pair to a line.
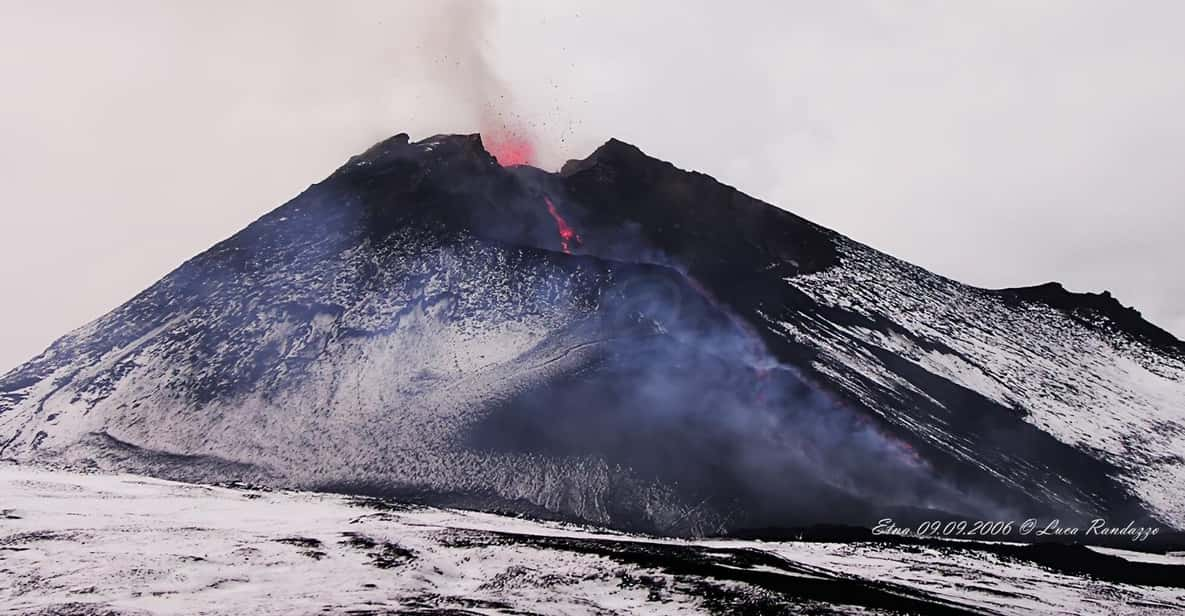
511,148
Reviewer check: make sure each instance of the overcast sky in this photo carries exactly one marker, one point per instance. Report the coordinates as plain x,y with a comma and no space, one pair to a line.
998,143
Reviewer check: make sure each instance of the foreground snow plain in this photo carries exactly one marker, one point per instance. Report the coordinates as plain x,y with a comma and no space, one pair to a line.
94,544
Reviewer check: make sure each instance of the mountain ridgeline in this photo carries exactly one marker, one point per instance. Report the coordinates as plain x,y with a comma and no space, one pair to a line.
622,343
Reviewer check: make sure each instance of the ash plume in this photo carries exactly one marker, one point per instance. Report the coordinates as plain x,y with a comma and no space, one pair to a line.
458,53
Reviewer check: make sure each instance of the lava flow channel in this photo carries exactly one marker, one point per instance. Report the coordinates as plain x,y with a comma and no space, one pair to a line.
568,235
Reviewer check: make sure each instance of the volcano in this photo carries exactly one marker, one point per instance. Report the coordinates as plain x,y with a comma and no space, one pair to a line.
621,343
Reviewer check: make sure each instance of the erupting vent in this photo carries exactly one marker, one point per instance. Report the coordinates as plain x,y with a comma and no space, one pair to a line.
511,149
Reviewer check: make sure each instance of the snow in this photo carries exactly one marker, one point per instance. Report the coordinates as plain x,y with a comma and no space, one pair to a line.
136,545
1120,400
144,545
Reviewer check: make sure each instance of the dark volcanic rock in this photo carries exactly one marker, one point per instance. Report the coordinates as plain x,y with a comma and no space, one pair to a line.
1100,310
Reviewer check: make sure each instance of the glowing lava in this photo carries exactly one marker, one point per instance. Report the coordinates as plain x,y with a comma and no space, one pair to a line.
568,235
511,149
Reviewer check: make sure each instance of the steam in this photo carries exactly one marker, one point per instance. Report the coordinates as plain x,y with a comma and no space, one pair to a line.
677,386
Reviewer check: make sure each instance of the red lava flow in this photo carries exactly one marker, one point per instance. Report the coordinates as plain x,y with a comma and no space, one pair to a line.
568,235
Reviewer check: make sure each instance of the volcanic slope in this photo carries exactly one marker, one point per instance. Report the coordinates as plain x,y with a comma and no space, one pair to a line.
622,343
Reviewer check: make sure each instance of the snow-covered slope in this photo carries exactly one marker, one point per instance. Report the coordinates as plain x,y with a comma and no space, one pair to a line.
622,343
1076,376
74,544
1021,400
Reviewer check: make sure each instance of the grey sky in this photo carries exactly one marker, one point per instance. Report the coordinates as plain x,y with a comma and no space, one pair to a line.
997,143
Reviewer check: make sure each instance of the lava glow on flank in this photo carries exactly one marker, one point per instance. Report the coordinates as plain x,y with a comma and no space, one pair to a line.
568,235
